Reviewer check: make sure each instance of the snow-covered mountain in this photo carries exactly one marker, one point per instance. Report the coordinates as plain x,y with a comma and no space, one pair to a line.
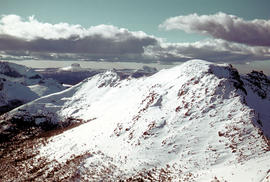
20,84
195,122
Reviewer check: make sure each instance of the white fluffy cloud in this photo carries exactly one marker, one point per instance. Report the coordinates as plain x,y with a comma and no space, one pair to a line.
32,29
223,26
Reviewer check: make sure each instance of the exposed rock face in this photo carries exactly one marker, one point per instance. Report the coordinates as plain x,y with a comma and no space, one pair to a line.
259,83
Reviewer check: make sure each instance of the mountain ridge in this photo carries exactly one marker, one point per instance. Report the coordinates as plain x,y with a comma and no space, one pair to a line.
197,121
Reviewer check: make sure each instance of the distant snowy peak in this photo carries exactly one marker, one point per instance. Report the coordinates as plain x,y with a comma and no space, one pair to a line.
20,84
75,67
15,71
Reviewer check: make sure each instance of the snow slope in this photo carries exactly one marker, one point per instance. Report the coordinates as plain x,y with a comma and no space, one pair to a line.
195,122
20,84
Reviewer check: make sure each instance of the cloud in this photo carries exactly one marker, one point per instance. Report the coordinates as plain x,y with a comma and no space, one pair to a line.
32,39
223,26
102,40
214,50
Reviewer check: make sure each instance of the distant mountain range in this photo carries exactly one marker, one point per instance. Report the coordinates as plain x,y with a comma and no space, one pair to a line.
74,74
195,122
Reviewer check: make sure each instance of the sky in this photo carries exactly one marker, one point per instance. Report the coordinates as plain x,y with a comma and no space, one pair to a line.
141,31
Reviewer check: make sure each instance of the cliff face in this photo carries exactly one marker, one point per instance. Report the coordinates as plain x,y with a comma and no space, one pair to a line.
197,121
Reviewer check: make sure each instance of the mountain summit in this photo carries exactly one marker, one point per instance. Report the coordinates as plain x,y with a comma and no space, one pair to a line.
195,122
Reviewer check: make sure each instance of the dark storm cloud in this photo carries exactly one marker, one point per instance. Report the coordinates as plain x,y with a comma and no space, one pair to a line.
95,44
211,50
223,26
